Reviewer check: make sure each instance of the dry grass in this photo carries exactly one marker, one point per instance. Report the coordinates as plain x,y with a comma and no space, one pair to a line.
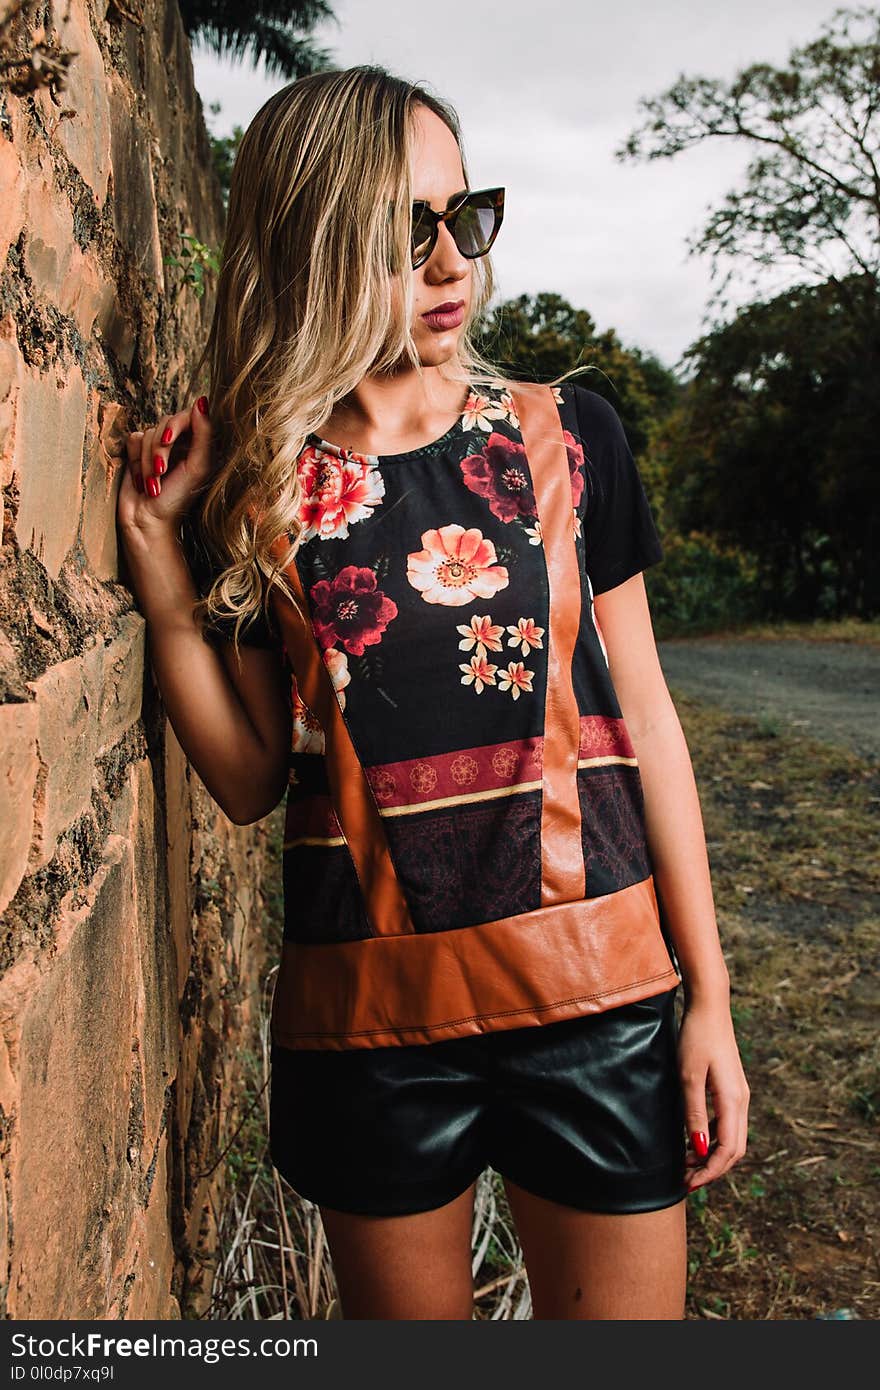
792,831
865,632
791,1232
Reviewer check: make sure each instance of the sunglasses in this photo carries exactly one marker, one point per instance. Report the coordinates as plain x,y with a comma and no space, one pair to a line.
473,222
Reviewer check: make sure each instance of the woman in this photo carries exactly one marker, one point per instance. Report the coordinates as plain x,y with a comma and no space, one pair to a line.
495,870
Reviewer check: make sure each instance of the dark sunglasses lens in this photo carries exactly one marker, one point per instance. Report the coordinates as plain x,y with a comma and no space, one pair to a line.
422,233
475,226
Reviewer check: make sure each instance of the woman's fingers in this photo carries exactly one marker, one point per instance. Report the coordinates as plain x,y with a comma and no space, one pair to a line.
171,461
730,1128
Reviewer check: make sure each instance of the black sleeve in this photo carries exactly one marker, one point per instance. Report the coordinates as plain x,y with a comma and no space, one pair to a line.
620,535
204,571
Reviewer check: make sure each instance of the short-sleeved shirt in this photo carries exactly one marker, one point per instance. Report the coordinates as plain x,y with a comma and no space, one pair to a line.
427,592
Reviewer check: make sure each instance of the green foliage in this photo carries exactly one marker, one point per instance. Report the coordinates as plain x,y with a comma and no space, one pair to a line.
224,148
277,34
773,447
195,258
541,336
702,586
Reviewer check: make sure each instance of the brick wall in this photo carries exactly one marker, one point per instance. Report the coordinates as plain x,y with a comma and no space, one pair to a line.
132,938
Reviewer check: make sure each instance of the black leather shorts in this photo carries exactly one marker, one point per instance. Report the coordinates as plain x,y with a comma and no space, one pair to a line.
587,1112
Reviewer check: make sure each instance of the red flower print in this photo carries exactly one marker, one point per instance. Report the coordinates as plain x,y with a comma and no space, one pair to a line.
575,466
500,474
336,492
455,566
350,611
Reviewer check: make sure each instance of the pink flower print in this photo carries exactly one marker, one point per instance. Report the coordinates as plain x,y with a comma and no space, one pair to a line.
350,611
575,466
481,633
308,736
337,664
455,566
480,410
477,672
501,474
515,679
525,635
336,492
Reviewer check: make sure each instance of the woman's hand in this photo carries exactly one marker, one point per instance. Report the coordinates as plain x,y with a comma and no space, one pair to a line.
708,1058
158,490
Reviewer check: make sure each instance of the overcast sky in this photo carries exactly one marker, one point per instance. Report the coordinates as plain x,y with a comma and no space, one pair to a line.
546,91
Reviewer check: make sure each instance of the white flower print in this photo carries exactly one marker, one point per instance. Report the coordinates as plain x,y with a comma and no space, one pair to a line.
525,635
481,409
477,672
482,634
577,523
515,679
308,736
336,662
534,533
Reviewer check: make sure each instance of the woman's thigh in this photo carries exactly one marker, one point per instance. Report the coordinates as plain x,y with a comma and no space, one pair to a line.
396,1267
584,1264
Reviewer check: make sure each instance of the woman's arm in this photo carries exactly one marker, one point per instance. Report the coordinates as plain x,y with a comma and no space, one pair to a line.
708,1052
232,721
233,725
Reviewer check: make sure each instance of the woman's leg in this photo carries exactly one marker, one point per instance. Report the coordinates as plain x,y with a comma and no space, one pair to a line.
584,1264
394,1267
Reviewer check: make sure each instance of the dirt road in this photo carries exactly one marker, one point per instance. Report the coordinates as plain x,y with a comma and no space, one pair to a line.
829,690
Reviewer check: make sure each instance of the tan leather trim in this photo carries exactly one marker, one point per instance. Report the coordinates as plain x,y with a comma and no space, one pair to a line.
350,791
563,877
553,963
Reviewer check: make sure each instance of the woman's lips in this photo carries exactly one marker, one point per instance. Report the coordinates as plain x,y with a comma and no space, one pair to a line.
444,318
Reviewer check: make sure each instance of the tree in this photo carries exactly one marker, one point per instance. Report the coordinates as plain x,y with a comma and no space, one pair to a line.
277,33
812,195
543,335
774,448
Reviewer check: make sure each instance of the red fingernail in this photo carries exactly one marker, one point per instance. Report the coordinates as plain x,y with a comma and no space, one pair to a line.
166,438
138,482
700,1143
202,404
153,487
158,464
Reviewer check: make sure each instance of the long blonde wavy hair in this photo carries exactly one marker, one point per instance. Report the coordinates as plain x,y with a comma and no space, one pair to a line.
318,230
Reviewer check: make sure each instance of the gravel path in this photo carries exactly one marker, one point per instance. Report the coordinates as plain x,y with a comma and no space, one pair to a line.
829,690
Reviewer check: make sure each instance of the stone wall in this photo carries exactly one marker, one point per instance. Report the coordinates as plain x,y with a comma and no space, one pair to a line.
132,940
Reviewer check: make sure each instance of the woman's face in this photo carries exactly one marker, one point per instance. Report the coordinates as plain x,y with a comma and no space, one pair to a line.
445,278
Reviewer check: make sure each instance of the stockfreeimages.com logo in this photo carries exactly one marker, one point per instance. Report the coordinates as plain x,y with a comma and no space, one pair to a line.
92,1346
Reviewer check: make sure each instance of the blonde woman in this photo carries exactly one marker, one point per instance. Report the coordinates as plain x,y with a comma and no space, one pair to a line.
495,871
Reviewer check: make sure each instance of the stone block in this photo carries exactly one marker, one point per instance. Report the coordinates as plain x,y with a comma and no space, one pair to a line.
85,137
99,534
68,702
73,1193
49,242
12,204
19,766
50,424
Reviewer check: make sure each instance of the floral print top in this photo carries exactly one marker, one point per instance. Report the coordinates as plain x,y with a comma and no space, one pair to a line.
427,591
